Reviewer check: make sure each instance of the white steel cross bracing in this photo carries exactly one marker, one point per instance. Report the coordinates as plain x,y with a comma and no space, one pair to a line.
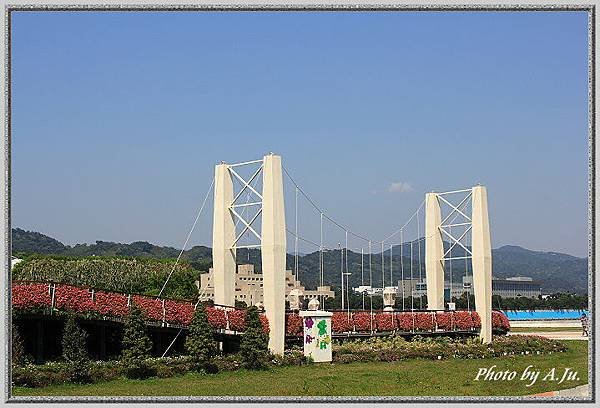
446,225
246,185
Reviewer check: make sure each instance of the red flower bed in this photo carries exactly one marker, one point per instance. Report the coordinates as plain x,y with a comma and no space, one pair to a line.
499,320
265,323
237,320
178,312
341,323
111,304
424,321
476,320
385,321
216,317
293,325
362,321
445,321
26,295
73,298
152,308
405,321
463,320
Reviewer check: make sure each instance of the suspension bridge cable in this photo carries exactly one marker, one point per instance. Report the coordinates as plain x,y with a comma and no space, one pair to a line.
296,239
382,269
412,293
320,210
402,267
188,238
391,266
406,223
362,275
370,277
419,249
321,255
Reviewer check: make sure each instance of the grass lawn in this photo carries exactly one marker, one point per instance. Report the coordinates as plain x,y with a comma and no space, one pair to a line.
404,378
544,329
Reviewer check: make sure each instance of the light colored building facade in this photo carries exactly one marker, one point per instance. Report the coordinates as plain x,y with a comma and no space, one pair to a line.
249,286
518,286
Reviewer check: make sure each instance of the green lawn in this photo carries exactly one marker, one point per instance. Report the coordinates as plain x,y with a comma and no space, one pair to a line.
544,329
405,378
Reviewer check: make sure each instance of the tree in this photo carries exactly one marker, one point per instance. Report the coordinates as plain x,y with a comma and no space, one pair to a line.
18,348
199,343
136,345
254,342
74,350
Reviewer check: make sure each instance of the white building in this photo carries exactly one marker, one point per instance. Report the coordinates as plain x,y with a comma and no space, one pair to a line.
249,286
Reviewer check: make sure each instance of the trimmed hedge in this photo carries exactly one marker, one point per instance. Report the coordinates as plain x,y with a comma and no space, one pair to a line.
397,348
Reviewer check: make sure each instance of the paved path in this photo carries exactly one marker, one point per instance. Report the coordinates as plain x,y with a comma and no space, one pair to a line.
583,391
562,335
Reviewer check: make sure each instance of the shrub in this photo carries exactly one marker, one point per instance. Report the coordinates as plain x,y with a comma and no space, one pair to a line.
254,342
136,345
18,348
199,343
74,350
395,348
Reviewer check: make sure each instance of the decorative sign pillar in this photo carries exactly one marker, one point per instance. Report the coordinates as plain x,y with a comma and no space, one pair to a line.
317,334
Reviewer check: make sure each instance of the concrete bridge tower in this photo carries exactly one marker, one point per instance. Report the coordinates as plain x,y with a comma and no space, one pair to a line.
272,239
480,253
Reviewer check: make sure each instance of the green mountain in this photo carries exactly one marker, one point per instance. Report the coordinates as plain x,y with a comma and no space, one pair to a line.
558,272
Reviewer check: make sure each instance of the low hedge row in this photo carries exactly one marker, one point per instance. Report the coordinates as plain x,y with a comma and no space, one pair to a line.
54,373
397,348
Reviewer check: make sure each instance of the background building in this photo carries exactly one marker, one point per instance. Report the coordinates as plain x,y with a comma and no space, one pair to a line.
518,286
249,286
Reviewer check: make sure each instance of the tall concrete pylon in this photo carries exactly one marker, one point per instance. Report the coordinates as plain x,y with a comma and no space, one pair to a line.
223,238
273,251
482,261
434,253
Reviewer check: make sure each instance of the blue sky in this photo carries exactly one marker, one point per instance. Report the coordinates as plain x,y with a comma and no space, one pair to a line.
119,118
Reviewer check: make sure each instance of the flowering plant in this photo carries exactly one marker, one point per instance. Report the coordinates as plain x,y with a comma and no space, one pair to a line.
385,321
265,323
499,320
405,321
341,323
362,321
293,324
73,298
178,312
476,320
237,319
27,295
463,320
216,318
151,307
424,321
111,304
445,320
